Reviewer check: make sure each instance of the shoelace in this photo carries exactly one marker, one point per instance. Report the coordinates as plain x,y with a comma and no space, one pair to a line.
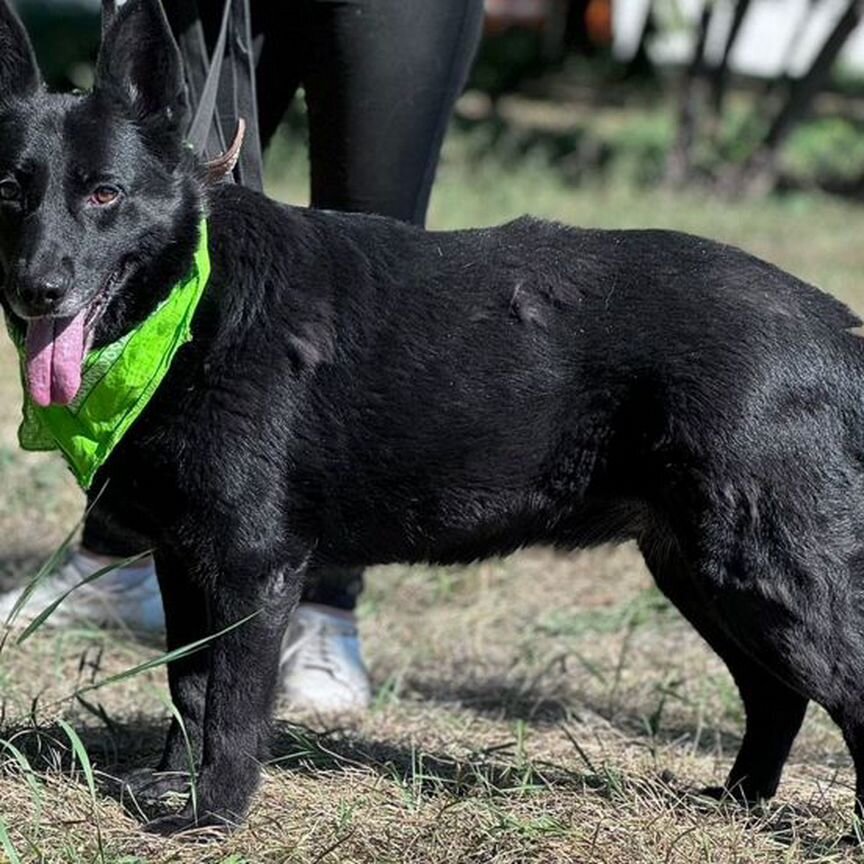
314,643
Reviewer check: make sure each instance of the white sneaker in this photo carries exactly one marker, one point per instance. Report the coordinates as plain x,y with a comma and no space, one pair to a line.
127,598
322,668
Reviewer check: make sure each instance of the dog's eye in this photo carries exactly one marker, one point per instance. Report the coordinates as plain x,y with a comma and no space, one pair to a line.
10,190
104,195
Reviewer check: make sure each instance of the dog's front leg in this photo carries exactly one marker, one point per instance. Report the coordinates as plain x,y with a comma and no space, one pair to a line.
243,667
186,622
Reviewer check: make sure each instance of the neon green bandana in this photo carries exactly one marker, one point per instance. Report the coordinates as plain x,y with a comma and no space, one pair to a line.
118,380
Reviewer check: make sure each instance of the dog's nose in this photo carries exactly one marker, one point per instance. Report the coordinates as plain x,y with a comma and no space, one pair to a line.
41,295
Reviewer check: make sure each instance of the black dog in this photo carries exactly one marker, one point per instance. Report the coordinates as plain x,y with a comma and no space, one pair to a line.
359,391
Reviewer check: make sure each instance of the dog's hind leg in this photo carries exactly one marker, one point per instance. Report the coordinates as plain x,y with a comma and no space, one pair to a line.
851,723
844,691
774,711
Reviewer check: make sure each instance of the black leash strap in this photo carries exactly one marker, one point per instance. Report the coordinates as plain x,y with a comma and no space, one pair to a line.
236,94
228,90
202,76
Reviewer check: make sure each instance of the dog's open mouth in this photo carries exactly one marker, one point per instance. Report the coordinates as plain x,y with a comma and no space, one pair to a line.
55,348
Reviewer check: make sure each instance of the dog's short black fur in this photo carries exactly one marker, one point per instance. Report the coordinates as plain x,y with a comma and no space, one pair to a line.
359,391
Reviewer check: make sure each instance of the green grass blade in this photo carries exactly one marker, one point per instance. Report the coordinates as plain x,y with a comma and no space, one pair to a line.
28,772
48,567
43,616
6,844
190,755
168,657
83,758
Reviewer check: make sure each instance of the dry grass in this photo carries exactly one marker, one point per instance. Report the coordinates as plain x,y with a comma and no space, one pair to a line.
545,708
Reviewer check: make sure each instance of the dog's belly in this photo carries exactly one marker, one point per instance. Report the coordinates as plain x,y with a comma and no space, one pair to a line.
461,526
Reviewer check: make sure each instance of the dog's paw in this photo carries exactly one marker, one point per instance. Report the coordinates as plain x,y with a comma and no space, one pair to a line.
150,784
202,827
146,788
716,793
735,795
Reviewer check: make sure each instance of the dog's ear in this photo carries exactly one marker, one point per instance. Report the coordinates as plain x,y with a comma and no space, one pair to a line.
19,74
139,62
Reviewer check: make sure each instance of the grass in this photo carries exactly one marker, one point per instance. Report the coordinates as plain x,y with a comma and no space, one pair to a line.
542,708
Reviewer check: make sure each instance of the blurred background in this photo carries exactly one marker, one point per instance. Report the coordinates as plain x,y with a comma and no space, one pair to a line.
741,97
735,119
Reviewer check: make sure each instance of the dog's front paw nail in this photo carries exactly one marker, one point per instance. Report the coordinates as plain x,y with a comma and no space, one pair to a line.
735,795
145,793
148,785
166,826
203,828
716,793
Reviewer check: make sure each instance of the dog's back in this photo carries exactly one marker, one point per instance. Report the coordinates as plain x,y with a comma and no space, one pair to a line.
439,394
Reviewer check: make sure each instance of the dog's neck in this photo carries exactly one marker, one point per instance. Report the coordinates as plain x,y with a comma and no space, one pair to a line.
151,283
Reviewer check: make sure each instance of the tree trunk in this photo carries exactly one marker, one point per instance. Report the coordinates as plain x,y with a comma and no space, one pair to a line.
781,84
679,162
639,65
718,77
759,174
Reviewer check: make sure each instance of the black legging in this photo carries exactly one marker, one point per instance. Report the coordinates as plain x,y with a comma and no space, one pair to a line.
380,79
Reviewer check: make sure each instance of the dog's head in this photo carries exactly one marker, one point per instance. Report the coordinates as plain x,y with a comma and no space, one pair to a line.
100,199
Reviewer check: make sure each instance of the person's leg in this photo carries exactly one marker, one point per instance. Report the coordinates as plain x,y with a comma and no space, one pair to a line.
127,597
381,81
277,38
381,78
278,31
322,665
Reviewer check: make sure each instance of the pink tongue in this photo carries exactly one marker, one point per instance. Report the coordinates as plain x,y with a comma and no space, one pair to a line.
55,354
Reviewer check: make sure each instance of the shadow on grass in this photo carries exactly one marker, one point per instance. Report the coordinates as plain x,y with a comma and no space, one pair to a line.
500,699
117,749
510,700
506,769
